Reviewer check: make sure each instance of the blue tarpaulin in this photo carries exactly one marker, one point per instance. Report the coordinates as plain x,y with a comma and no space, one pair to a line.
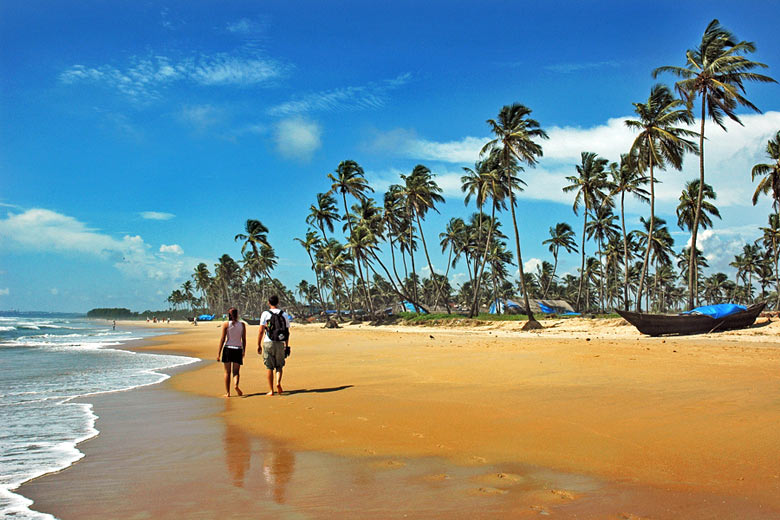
409,306
717,311
498,306
205,317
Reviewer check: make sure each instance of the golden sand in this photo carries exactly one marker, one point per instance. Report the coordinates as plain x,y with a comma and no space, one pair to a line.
686,415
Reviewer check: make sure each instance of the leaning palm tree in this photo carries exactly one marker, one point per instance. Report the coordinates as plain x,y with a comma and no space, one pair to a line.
561,236
422,194
256,236
486,181
311,243
349,178
589,184
716,72
770,173
515,132
323,214
660,142
626,178
203,281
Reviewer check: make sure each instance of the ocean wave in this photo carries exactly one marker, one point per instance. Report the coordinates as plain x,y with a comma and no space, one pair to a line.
45,426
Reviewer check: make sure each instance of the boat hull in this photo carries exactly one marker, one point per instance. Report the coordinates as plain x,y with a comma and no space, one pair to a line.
660,324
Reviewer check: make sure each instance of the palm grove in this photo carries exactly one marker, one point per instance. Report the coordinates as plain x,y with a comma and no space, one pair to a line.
367,251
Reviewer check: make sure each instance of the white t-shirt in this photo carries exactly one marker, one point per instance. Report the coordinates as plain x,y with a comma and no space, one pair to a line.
265,317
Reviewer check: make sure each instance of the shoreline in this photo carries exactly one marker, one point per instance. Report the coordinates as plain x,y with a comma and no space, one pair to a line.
342,401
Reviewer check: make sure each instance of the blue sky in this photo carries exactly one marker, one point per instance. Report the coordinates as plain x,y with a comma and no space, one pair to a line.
136,138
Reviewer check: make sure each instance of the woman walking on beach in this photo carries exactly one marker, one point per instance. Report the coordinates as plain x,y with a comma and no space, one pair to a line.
232,348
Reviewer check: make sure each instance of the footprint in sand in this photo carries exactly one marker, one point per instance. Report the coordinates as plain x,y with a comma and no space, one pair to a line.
489,491
418,435
438,477
563,494
478,460
369,451
540,510
389,464
362,419
501,479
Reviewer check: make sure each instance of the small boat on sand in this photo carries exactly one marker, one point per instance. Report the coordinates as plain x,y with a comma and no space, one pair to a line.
691,323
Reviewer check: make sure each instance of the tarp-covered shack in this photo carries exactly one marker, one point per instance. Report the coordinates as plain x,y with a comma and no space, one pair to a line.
501,306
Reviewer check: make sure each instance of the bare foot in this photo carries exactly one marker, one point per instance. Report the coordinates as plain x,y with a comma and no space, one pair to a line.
279,389
239,392
270,393
226,395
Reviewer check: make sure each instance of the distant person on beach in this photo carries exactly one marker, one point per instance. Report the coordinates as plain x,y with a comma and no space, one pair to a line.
113,325
232,348
273,342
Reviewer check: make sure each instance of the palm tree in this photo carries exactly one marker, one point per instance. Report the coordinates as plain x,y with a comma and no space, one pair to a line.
311,243
561,236
323,214
203,281
422,194
716,72
686,209
659,142
256,236
349,178
589,186
602,228
515,132
626,178
452,239
770,172
485,181
771,238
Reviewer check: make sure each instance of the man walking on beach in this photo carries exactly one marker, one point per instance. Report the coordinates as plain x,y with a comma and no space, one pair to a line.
273,342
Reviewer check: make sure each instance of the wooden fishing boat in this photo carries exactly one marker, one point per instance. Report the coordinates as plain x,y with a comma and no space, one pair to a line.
252,321
658,324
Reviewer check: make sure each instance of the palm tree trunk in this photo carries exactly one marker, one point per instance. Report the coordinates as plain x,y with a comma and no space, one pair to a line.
692,282
625,249
552,277
436,285
646,260
414,270
532,323
396,290
480,272
582,263
601,279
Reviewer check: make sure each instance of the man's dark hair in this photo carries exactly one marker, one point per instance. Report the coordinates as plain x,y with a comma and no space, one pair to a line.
274,300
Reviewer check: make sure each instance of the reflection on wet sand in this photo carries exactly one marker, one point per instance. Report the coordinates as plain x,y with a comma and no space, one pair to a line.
238,452
278,468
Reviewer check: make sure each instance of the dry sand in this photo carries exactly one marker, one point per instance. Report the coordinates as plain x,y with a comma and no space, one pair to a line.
585,419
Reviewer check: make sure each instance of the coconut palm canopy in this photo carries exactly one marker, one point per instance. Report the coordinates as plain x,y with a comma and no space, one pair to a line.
135,152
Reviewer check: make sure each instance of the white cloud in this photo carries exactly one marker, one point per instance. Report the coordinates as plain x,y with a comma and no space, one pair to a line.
43,230
200,117
144,78
246,26
5,292
529,266
156,215
297,137
173,249
365,97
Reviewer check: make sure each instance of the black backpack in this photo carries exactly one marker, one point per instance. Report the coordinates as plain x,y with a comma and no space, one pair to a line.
277,327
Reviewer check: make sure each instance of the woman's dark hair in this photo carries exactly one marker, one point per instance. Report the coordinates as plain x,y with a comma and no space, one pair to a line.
233,314
274,300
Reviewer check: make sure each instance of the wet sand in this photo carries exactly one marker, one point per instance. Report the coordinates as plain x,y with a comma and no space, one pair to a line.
391,422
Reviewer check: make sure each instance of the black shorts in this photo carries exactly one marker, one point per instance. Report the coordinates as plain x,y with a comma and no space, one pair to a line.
233,355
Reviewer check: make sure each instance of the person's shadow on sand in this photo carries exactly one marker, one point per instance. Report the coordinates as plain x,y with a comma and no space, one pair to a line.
306,391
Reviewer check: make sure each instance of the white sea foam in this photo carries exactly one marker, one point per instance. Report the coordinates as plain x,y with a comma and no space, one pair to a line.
41,428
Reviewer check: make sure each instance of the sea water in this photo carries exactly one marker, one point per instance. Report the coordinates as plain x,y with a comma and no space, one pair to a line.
45,363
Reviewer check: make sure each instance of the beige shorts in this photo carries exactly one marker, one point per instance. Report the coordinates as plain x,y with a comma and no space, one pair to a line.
273,355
